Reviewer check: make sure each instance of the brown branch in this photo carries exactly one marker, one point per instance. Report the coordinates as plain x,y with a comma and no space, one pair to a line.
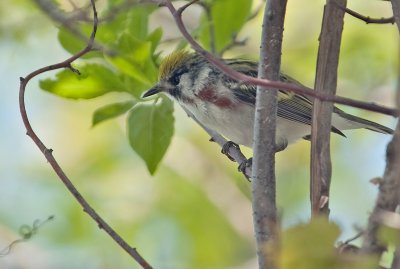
388,197
264,147
389,189
115,10
326,81
234,43
396,12
396,259
53,11
48,152
265,82
366,19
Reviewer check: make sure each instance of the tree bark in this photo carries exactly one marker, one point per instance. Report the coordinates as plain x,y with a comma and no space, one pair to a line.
326,81
389,190
263,173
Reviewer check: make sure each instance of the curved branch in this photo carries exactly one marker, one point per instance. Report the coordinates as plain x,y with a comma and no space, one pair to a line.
47,152
365,19
176,13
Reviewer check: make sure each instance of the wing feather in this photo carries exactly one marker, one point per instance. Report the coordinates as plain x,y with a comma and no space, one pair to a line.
293,107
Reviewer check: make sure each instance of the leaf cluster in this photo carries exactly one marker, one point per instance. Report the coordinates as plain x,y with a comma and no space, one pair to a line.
127,62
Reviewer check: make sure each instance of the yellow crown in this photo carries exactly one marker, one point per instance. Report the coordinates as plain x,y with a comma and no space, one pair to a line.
173,61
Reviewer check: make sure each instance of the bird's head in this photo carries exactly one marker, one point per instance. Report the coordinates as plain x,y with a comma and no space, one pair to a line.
181,74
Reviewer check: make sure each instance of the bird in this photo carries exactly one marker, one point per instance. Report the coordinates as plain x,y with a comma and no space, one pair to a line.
227,106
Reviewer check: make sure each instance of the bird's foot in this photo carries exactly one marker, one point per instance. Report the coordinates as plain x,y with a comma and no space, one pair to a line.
243,167
226,147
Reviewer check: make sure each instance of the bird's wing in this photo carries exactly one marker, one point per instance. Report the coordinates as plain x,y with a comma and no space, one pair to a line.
293,107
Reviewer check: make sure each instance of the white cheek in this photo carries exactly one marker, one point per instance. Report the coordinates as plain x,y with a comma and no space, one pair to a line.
185,85
190,88
202,79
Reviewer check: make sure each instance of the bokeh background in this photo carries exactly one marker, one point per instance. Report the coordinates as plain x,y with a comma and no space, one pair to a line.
195,212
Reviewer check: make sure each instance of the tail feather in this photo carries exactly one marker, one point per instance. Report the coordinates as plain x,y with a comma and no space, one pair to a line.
358,122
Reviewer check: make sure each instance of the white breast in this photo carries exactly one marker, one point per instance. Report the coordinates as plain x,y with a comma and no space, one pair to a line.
237,124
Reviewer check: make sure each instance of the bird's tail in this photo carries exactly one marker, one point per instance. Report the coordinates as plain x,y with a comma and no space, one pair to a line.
355,122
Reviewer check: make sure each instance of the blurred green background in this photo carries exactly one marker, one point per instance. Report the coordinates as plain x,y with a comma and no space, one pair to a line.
195,211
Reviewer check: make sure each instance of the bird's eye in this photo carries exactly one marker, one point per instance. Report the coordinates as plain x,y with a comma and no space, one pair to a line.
175,79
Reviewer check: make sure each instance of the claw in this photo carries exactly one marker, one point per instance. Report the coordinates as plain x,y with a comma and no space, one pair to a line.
226,147
244,165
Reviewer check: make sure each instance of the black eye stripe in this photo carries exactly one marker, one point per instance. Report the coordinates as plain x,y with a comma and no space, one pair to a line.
176,76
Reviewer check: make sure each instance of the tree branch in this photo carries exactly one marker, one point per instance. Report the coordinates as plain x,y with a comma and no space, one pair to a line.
366,19
396,259
47,152
326,81
396,12
389,189
265,82
388,197
264,147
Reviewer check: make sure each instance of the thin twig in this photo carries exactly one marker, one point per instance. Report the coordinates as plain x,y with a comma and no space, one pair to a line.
234,43
355,237
115,10
256,12
366,19
265,82
26,232
52,161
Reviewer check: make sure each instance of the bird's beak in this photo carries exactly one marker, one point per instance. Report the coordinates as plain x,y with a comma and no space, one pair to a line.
156,89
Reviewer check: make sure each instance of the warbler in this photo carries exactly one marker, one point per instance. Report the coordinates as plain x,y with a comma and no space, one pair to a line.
227,106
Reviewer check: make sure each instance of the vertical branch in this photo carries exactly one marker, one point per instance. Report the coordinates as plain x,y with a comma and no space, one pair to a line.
396,259
326,81
263,175
389,190
396,12
388,197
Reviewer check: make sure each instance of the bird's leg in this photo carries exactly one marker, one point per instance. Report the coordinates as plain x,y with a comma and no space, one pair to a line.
249,162
226,147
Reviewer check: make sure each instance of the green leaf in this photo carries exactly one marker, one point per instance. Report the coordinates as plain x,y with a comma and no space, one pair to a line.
228,17
389,235
132,69
135,60
150,129
133,21
155,38
111,111
310,246
95,80
73,44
